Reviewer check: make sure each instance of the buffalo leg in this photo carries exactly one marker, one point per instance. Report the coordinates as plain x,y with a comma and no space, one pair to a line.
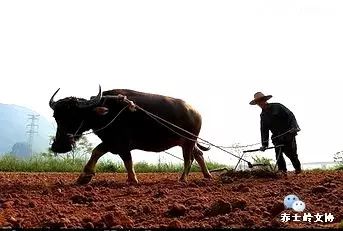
187,161
200,159
89,169
131,175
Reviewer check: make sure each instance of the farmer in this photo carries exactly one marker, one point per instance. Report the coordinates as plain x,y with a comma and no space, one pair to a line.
278,119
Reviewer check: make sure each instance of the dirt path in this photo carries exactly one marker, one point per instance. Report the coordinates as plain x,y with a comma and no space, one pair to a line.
52,200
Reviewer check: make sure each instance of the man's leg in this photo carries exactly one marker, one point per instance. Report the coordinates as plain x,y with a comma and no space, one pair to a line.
291,152
281,163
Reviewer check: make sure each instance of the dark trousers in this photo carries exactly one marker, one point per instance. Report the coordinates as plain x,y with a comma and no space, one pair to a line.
290,150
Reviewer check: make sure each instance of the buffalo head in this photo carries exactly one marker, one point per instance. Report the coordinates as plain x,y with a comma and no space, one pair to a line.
70,114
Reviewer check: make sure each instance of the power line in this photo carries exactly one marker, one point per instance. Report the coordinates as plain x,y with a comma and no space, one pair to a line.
32,130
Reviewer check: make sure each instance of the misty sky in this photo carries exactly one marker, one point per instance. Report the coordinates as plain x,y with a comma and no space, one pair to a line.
213,54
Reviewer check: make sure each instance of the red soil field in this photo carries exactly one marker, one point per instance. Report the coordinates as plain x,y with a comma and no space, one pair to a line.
31,200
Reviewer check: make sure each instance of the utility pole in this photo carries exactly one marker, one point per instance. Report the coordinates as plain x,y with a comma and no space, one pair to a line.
32,130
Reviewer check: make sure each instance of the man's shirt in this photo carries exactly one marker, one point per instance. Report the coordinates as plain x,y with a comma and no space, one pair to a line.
278,119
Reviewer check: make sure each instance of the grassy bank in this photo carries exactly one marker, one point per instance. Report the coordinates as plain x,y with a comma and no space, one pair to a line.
9,163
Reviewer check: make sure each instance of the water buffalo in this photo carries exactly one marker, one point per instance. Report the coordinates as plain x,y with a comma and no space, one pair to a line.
131,130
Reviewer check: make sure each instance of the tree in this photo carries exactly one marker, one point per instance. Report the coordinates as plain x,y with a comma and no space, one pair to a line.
338,157
82,149
21,149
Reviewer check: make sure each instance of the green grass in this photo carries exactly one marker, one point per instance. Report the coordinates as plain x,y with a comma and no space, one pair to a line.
9,163
339,166
38,163
262,160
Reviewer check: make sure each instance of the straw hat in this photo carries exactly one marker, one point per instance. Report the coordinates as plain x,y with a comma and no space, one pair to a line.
260,96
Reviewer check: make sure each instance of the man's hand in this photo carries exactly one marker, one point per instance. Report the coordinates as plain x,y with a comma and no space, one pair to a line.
132,106
263,148
122,97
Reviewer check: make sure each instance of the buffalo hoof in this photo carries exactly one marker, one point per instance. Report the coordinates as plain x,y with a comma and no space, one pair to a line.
132,181
182,180
208,176
84,178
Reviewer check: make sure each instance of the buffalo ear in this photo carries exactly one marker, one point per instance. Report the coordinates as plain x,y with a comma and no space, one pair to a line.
101,110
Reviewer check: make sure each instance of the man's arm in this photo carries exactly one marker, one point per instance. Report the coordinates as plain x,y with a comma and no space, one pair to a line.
292,121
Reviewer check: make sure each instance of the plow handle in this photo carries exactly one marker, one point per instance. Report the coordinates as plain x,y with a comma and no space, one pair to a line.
256,150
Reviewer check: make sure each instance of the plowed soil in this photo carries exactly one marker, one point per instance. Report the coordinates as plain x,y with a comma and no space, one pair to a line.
31,200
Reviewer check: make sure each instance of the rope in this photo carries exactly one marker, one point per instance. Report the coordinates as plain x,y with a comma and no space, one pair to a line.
109,122
131,105
208,142
239,146
157,118
78,128
250,145
196,165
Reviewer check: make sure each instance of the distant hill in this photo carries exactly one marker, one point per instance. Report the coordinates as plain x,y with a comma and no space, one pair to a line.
13,127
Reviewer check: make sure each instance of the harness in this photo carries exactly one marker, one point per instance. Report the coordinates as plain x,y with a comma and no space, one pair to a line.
130,105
